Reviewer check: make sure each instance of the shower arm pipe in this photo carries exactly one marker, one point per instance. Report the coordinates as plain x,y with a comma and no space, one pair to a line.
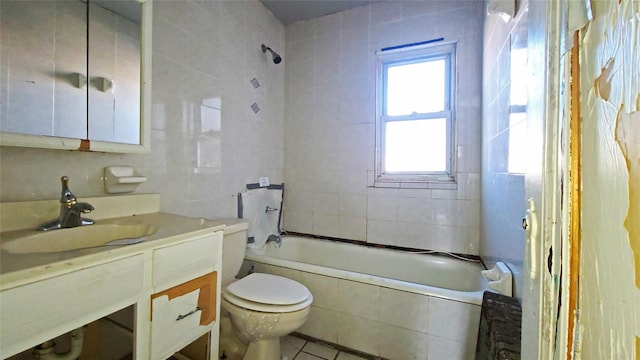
276,58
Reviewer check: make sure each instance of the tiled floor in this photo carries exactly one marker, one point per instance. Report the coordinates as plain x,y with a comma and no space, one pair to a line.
295,348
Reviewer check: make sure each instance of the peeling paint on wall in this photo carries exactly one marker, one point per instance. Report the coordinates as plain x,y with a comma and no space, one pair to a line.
609,296
603,82
628,138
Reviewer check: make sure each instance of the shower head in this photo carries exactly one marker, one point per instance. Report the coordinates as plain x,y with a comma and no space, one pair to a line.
276,58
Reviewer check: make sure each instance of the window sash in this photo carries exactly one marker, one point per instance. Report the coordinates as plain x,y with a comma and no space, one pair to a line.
427,58
415,117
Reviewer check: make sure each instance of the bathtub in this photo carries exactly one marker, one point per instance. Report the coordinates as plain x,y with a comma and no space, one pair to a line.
382,302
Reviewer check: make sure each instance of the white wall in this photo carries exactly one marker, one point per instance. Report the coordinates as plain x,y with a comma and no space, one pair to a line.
503,190
330,128
205,54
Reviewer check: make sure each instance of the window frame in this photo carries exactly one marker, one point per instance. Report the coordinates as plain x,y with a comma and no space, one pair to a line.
415,54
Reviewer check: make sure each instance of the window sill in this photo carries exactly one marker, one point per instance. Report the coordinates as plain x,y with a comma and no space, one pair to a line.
397,183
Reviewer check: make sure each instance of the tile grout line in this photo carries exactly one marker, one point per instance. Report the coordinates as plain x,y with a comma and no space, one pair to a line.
300,350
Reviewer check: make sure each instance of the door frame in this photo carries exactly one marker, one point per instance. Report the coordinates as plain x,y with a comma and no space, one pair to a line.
547,254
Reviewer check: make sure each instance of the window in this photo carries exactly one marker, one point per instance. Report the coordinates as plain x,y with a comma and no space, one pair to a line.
415,116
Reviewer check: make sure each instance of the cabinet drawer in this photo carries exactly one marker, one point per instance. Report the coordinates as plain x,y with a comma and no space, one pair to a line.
178,263
181,314
36,312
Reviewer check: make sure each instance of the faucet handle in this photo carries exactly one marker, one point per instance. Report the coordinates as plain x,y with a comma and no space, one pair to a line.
66,196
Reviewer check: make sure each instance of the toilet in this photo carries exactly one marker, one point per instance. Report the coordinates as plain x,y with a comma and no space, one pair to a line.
257,309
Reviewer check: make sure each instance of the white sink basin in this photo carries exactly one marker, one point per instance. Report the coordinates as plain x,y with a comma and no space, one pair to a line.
79,238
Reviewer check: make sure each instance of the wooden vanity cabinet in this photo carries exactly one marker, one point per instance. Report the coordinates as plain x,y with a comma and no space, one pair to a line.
184,305
174,288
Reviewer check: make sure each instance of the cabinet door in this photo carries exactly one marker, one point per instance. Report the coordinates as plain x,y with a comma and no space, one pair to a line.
43,68
114,71
181,314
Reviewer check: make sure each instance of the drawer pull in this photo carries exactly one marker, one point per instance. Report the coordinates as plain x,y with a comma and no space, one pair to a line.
180,317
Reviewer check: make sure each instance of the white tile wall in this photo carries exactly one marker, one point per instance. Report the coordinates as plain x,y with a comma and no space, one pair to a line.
400,343
359,333
330,128
503,193
322,324
205,53
405,310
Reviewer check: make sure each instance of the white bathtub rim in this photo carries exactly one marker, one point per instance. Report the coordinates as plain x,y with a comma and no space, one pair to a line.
470,297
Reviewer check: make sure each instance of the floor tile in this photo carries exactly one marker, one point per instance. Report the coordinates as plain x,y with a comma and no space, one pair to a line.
322,351
346,356
290,346
305,356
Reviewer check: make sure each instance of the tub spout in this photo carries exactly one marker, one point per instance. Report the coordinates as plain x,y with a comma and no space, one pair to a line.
275,239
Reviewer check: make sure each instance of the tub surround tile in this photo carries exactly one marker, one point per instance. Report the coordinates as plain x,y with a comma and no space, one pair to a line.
412,235
359,333
326,224
386,322
405,310
326,203
399,343
354,205
382,208
347,133
442,348
453,320
322,324
297,220
382,232
503,193
418,210
354,228
358,299
323,288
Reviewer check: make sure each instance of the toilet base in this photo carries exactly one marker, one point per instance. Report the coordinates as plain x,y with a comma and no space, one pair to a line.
230,346
263,350
262,331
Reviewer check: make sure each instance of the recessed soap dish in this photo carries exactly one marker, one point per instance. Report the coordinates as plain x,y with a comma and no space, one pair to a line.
121,179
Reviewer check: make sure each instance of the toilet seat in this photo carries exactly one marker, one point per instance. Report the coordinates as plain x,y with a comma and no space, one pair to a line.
268,293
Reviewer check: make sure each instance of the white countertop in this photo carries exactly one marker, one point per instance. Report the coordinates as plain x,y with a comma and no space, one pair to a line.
19,269
18,219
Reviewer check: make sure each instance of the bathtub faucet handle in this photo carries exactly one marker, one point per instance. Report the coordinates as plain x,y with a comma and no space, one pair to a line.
269,209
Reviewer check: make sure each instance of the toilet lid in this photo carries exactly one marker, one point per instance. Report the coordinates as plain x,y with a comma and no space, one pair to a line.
228,298
269,289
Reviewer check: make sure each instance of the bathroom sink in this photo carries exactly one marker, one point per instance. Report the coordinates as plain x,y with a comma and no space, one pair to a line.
79,238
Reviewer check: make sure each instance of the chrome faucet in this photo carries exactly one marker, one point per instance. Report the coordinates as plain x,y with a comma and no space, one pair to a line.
70,211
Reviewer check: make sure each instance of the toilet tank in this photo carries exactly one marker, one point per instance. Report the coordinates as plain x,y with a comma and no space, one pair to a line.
234,245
